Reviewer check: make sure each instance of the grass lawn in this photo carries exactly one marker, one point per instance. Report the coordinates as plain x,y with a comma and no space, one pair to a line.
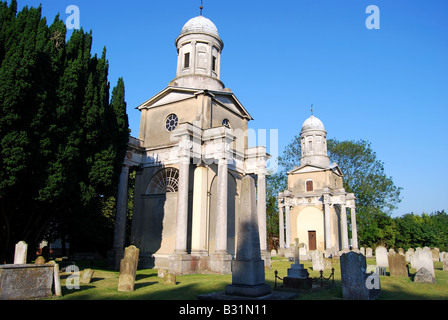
149,286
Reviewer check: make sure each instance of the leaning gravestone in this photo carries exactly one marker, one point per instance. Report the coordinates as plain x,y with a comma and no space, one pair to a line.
86,276
424,276
397,265
356,283
248,278
20,253
423,259
381,257
128,269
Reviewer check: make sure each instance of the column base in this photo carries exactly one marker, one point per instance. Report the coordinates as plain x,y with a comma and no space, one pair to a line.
221,263
180,264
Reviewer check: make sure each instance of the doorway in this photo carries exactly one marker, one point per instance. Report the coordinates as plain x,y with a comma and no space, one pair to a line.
312,240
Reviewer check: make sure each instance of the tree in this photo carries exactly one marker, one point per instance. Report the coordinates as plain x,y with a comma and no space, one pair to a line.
62,139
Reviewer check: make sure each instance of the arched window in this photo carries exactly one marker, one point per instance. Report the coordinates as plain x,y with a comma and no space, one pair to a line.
164,181
309,186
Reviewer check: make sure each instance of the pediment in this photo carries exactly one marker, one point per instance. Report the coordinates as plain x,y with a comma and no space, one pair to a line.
167,96
313,168
173,94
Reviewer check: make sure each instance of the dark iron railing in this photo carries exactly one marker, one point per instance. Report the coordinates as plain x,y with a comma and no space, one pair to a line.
321,278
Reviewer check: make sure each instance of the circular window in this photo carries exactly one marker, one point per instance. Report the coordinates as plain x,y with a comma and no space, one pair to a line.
171,122
226,123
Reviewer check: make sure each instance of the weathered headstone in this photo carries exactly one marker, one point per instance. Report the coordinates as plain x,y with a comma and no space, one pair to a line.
303,252
397,265
128,269
363,250
423,259
423,275
381,256
369,253
318,260
39,260
445,262
169,279
435,254
86,276
248,278
408,254
356,283
273,253
20,253
25,281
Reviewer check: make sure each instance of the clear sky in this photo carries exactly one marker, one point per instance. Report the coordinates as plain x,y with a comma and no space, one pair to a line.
388,86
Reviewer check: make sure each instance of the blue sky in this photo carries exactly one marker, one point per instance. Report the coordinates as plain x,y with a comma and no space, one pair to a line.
388,86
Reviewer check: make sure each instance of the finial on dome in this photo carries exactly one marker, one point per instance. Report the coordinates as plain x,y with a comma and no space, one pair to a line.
312,110
201,8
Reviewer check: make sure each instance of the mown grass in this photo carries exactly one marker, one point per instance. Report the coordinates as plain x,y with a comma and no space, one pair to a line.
149,286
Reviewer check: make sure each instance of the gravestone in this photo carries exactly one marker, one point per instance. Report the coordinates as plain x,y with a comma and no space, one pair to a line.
86,276
408,254
248,278
397,265
128,269
363,250
381,256
169,279
273,253
445,262
401,251
435,254
356,283
369,253
20,253
318,260
423,259
39,260
423,275
26,281
303,252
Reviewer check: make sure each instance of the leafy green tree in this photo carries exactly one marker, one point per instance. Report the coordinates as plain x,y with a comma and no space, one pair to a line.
62,139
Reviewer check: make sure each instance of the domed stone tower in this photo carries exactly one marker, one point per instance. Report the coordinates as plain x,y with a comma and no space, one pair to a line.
315,203
192,155
199,55
314,143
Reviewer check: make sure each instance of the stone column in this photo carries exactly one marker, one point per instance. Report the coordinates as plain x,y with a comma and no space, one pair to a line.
221,218
328,244
288,223
354,229
180,260
116,254
261,210
344,228
200,225
182,206
281,224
